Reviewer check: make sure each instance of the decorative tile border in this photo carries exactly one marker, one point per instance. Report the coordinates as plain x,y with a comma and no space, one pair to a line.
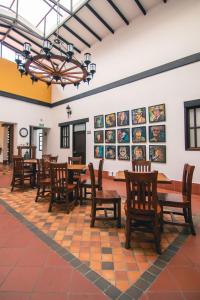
133,292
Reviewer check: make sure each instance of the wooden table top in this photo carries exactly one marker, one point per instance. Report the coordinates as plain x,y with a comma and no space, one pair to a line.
162,178
74,167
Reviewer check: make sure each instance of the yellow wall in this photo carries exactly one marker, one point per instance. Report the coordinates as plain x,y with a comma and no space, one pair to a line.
11,82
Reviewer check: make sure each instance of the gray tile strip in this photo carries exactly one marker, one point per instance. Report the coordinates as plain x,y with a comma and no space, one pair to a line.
133,292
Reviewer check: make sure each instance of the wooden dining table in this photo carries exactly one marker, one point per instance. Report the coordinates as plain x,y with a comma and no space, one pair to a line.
162,178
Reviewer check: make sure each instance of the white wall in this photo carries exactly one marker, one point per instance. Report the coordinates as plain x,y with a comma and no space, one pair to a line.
167,33
24,115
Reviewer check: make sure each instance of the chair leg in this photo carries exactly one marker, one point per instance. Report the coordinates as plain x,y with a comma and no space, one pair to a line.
161,220
81,195
157,236
119,214
12,184
185,213
67,203
50,204
115,210
191,221
93,213
128,233
38,193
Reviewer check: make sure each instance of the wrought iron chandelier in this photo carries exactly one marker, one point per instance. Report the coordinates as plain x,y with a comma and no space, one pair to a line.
52,68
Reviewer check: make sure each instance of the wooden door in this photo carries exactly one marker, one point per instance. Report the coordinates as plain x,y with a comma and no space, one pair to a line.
79,141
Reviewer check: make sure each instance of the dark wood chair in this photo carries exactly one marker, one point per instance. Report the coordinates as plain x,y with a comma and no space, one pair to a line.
20,174
61,190
143,212
141,166
181,201
46,157
86,184
54,159
43,178
104,200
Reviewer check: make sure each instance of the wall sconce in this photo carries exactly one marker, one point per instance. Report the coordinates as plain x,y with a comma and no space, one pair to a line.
69,111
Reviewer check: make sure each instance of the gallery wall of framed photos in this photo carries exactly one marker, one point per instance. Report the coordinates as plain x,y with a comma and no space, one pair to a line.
130,134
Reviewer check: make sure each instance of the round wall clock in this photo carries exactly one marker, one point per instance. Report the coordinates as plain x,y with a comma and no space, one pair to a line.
23,132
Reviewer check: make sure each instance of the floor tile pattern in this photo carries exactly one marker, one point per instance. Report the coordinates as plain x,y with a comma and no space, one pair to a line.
101,248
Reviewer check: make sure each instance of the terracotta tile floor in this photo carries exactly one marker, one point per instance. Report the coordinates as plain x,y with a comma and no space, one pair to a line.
102,247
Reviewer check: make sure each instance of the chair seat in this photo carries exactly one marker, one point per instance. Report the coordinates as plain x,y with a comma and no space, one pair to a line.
45,181
171,199
143,211
107,195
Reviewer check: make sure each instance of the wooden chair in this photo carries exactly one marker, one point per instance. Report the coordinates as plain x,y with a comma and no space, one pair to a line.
43,178
20,174
141,166
86,184
54,159
46,156
101,198
74,160
183,201
143,212
61,190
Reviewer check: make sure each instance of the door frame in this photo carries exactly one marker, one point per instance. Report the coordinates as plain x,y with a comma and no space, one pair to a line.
73,136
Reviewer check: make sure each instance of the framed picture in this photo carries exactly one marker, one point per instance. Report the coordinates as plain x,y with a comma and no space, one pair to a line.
157,153
123,135
110,152
110,120
98,137
157,134
123,118
139,134
138,116
139,152
98,121
110,136
157,113
98,151
123,152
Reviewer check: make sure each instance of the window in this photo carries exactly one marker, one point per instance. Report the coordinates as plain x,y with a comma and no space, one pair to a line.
40,141
64,136
192,125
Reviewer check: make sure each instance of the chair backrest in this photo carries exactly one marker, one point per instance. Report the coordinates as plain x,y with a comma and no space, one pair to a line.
100,173
46,156
74,160
141,166
59,177
188,171
141,189
18,165
92,178
54,159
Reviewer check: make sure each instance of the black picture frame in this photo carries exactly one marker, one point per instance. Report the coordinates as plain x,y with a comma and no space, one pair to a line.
138,116
157,134
99,121
99,137
157,153
110,120
138,152
123,152
123,118
139,134
110,152
157,113
123,135
98,151
110,136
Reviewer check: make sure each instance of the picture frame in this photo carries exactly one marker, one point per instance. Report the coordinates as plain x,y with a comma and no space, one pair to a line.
138,152
98,151
157,113
99,121
110,152
157,134
139,134
123,153
138,116
123,118
98,136
123,135
157,153
110,136
110,120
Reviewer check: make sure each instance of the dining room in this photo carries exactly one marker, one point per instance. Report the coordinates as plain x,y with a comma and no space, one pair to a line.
102,176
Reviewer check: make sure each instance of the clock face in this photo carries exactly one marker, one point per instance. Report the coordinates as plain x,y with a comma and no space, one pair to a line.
23,132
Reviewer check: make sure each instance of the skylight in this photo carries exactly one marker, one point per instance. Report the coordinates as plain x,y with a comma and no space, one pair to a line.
43,14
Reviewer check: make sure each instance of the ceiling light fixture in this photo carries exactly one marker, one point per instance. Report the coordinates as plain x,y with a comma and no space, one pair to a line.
52,68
